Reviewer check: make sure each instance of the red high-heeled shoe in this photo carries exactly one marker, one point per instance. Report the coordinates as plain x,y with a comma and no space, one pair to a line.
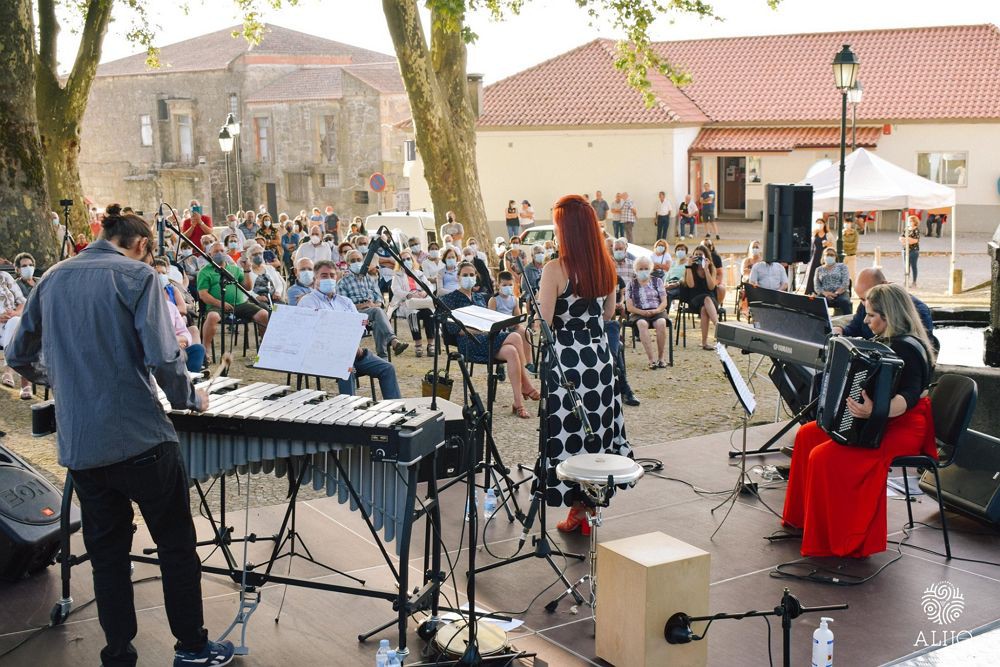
577,517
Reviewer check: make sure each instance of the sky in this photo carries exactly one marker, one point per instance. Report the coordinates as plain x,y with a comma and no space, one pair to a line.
525,40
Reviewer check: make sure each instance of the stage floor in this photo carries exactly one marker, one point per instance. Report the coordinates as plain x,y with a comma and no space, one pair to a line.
885,623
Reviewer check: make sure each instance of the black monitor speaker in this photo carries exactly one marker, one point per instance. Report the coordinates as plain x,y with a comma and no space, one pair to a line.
788,223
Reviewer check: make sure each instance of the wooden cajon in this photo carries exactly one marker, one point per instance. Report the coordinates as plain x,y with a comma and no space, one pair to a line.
641,582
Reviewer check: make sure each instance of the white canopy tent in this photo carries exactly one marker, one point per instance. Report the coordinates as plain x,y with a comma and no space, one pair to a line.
874,184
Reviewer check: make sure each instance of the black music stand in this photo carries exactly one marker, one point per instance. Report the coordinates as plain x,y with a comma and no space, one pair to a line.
744,485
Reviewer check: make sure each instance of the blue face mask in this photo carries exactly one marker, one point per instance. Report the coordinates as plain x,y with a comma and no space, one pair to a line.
468,282
408,263
539,257
681,254
415,248
829,259
164,279
363,249
327,285
619,255
306,278
450,263
642,275
233,245
356,267
507,290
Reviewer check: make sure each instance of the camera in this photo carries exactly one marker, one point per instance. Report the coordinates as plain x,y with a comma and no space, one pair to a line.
65,202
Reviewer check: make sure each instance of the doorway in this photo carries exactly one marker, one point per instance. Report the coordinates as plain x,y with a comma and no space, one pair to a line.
732,185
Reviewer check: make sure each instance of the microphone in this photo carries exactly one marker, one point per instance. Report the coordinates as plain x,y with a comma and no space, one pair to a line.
160,223
532,511
376,242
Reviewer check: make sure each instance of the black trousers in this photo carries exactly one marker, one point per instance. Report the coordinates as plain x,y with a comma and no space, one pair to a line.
156,481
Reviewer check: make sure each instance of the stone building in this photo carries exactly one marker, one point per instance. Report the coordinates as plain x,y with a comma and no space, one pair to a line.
317,119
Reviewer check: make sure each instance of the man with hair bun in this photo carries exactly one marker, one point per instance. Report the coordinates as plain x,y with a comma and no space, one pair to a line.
114,437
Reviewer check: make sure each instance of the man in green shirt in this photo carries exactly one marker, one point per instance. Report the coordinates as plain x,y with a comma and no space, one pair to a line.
210,293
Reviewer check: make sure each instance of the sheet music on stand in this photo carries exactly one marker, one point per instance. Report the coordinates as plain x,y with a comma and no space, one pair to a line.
743,392
311,342
483,319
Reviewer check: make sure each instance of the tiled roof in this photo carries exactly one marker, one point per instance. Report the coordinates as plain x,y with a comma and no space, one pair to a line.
217,49
947,72
769,139
383,77
581,87
310,83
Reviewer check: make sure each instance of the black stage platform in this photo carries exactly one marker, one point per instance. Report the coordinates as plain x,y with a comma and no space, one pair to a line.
886,620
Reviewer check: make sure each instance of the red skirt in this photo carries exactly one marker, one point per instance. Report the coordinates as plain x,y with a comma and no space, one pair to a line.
836,494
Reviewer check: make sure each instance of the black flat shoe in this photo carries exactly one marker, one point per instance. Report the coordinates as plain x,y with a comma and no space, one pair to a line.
631,400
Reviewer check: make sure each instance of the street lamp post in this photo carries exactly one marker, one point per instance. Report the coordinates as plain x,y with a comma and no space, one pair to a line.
226,144
845,73
233,126
854,97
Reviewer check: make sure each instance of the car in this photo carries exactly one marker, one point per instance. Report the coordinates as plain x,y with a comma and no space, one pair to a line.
543,233
404,225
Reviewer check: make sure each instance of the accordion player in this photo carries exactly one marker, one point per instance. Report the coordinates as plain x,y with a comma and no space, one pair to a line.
836,495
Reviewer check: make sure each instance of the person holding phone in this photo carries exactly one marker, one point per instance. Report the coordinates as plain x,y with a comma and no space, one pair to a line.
699,278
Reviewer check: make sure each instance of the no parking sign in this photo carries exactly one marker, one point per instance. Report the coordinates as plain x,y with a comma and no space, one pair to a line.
376,182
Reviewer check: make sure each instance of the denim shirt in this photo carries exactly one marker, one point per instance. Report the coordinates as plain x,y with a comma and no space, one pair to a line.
96,329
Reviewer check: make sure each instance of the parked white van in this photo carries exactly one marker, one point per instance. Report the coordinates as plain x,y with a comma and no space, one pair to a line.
404,225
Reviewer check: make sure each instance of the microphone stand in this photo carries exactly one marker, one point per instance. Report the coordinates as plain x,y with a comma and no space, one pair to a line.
224,276
159,230
542,548
66,204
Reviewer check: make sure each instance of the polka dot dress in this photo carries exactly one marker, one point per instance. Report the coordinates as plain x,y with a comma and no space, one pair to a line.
582,346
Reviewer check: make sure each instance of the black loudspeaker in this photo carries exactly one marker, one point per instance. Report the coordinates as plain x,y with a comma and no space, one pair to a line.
797,386
450,458
30,509
971,485
788,223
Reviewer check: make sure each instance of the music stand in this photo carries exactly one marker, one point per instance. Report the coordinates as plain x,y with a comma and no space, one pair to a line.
749,403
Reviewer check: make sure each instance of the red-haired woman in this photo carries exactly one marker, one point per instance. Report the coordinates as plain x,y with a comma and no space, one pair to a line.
576,297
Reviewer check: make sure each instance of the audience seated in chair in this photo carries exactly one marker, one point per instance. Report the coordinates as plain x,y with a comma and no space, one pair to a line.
363,291
413,303
700,280
646,302
833,281
506,302
235,301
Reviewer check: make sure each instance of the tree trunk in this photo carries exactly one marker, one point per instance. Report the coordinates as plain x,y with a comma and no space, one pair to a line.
61,107
24,225
443,117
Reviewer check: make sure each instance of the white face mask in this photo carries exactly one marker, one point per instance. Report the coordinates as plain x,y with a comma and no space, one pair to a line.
315,240
27,272
468,282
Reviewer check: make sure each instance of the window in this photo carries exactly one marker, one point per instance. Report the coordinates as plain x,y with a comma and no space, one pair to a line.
146,129
185,138
234,104
262,138
946,168
329,180
298,185
328,138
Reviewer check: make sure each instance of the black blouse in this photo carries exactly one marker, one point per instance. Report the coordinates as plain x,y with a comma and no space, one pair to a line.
916,374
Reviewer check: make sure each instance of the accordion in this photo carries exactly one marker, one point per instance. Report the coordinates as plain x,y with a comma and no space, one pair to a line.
854,365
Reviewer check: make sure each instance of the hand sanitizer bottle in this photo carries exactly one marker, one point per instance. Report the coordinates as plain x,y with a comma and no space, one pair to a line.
823,644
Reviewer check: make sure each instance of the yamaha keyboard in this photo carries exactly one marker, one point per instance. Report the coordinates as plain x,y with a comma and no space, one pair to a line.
790,350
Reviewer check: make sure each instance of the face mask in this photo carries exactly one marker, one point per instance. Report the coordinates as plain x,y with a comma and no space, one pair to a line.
363,249
185,253
450,263
434,254
164,279
468,282
539,257
327,285
661,251
27,272
473,246
619,255
468,258
305,278
257,259
408,263
829,259
414,248
219,258
507,290
267,223
315,240
681,254
356,267
756,252
515,246
549,252
55,221
642,275
234,245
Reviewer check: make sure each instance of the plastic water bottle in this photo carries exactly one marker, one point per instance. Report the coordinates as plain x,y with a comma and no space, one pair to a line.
475,504
382,655
489,503
394,660
823,644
